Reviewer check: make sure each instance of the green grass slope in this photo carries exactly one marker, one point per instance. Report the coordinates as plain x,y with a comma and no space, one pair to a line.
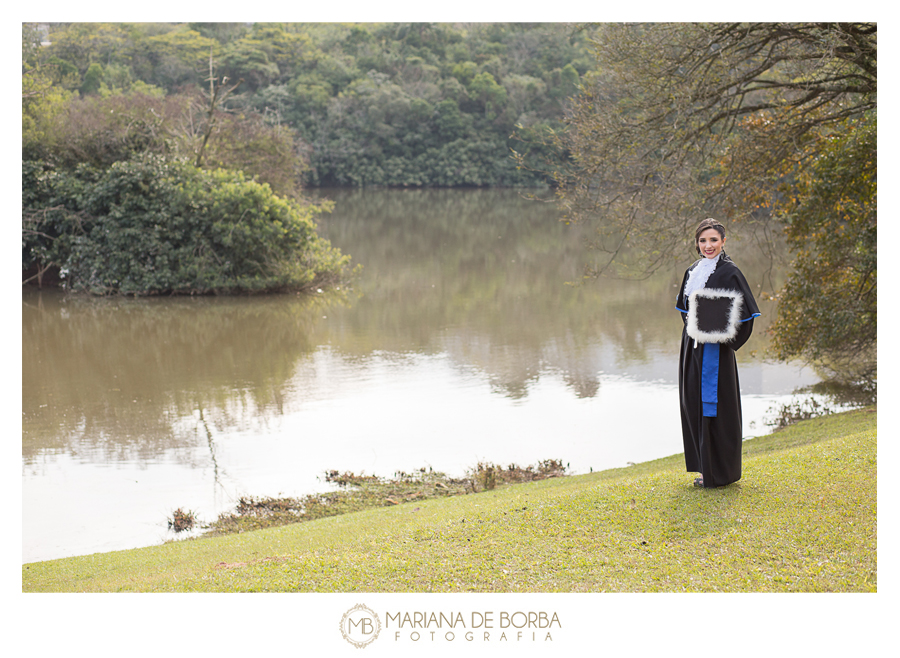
802,519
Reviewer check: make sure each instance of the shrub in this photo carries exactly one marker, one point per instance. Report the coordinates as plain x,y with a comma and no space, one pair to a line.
182,520
149,226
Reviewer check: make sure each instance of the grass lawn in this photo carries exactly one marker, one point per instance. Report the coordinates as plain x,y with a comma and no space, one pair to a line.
802,519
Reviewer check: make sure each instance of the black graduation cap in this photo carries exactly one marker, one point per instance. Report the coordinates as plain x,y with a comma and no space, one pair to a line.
714,315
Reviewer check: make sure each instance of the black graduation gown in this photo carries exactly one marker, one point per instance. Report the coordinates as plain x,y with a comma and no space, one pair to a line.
710,397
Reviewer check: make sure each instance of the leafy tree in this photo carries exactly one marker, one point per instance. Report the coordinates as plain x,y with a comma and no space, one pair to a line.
358,39
83,44
99,130
221,32
828,307
245,60
92,79
465,72
117,78
566,84
336,71
180,58
524,93
309,97
751,123
43,103
271,154
285,48
485,90
450,123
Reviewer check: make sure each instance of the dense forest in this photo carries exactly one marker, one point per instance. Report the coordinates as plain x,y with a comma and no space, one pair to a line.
164,158
324,104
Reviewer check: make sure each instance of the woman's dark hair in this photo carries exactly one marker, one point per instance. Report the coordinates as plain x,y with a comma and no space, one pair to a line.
705,224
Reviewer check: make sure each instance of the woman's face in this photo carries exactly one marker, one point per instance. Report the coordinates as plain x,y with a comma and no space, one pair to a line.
710,243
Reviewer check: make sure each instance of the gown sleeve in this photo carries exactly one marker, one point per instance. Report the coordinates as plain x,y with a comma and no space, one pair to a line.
743,334
750,310
680,300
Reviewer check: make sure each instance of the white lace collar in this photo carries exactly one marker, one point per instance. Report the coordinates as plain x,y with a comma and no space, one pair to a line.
700,274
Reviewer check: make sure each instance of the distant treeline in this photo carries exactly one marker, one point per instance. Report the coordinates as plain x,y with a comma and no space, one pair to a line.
332,104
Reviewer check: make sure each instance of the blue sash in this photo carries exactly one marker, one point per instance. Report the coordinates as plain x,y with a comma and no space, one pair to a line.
709,379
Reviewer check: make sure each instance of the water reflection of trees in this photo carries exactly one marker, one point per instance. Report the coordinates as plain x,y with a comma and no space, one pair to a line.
130,378
477,275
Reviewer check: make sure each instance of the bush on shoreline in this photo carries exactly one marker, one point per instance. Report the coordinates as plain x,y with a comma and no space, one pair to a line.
149,226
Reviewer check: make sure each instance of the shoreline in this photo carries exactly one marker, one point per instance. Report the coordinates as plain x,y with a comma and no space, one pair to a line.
282,510
813,529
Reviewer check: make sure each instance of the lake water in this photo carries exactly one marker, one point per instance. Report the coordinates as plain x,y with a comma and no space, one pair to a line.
461,341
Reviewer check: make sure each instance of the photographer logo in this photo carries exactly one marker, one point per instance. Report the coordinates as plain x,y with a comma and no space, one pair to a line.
360,626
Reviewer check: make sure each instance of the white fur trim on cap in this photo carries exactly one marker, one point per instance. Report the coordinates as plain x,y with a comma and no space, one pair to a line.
733,320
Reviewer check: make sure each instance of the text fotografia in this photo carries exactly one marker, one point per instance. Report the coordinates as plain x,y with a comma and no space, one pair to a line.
481,626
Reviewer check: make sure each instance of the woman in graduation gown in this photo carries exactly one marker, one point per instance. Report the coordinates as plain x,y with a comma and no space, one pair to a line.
721,322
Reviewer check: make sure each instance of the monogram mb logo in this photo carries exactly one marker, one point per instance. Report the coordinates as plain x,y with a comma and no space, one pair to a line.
360,626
